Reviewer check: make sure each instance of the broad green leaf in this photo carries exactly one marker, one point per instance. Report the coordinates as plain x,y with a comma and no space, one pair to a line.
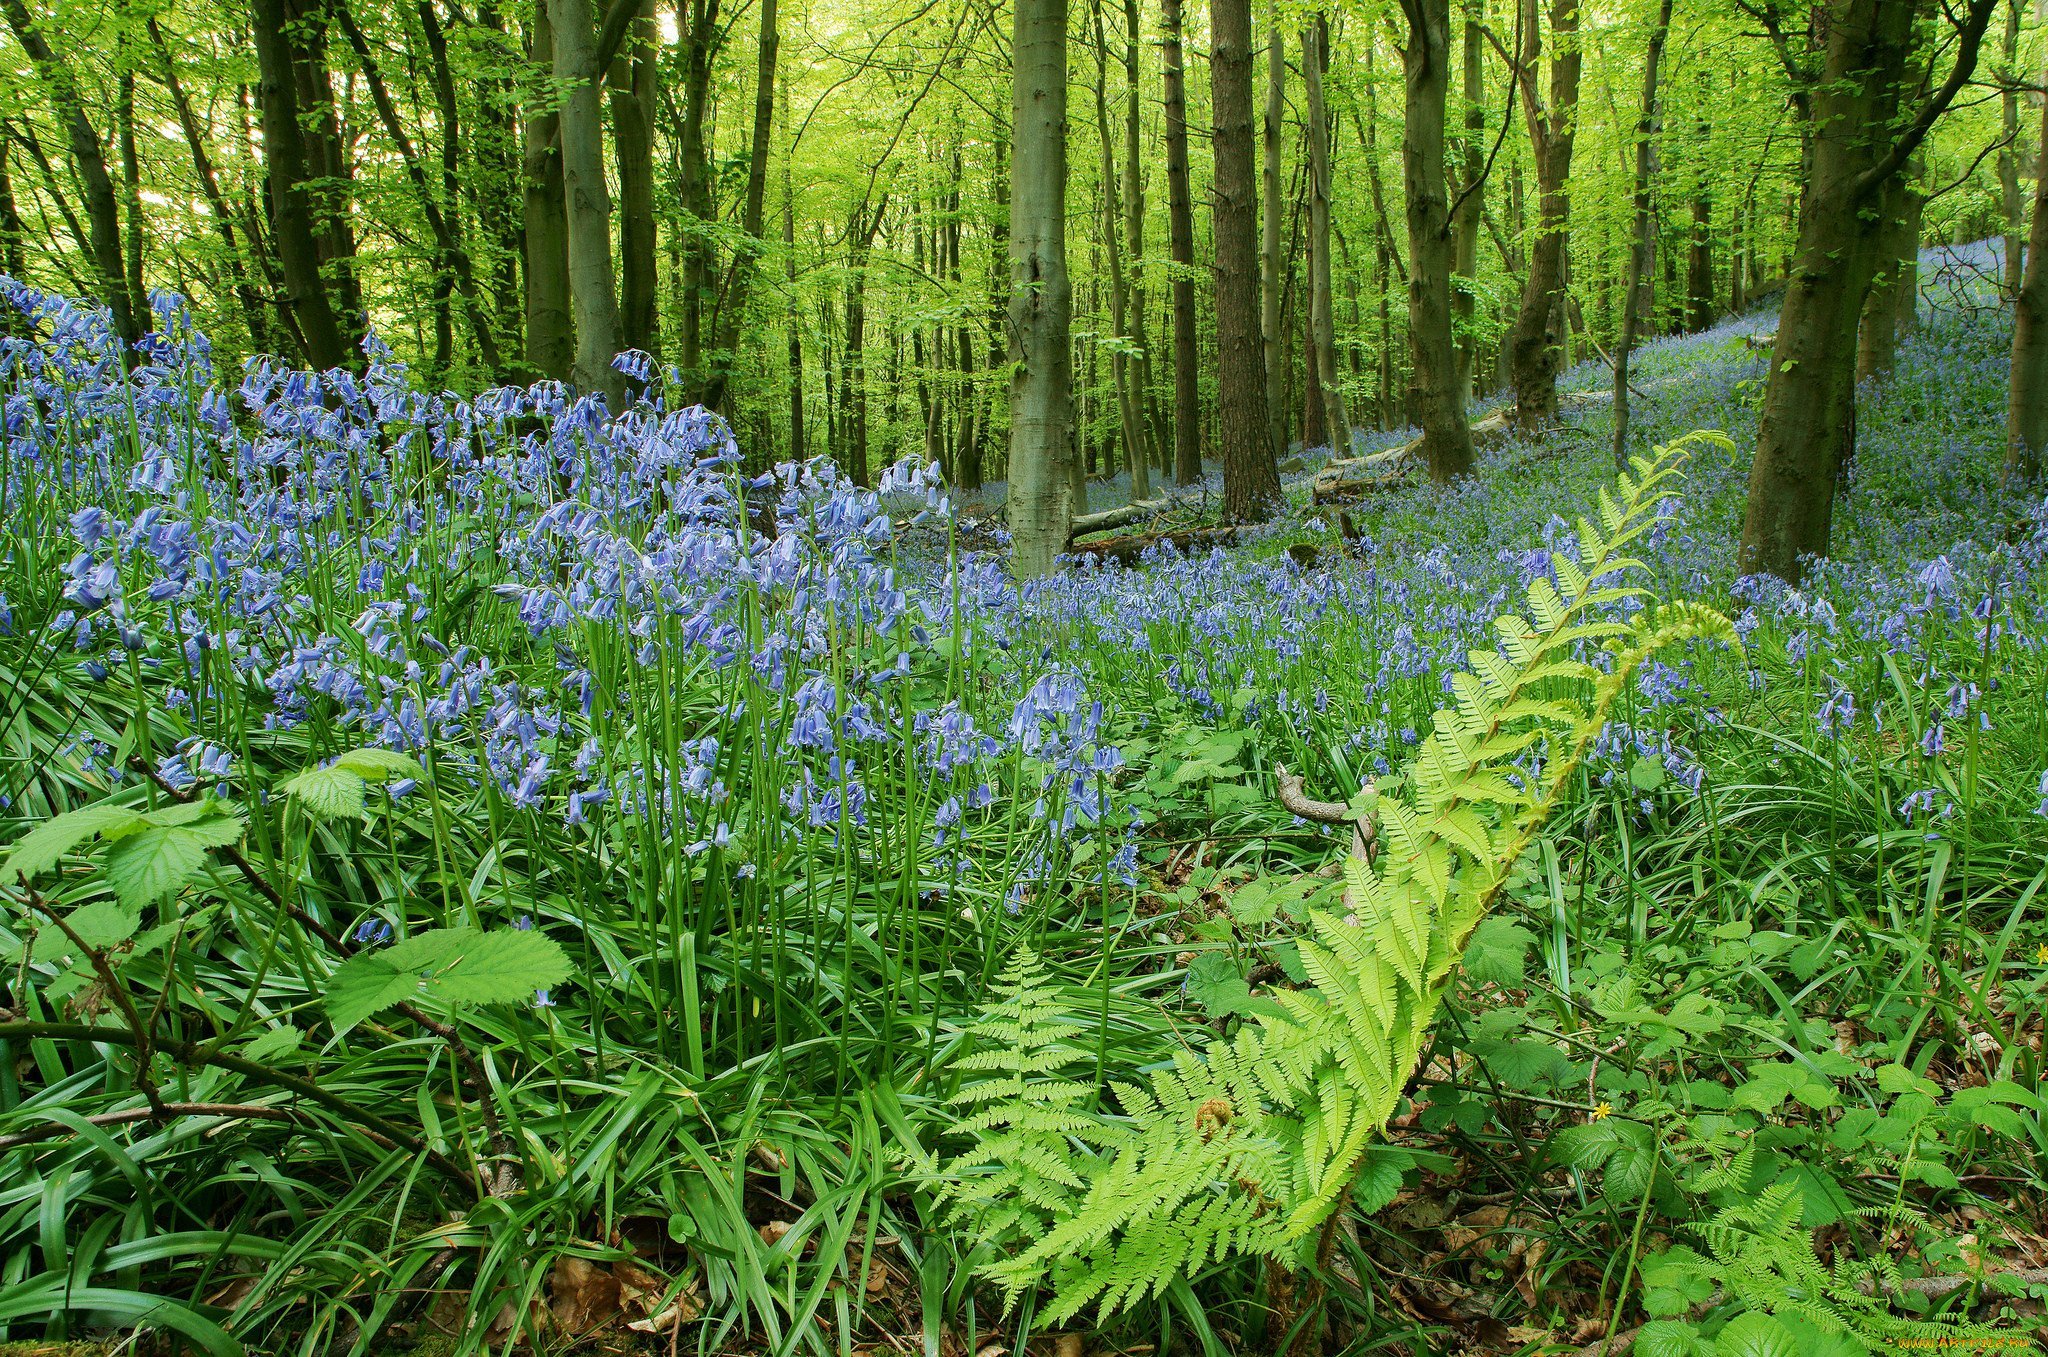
364,986
1756,1335
505,965
41,848
99,925
379,765
1496,953
331,793
150,864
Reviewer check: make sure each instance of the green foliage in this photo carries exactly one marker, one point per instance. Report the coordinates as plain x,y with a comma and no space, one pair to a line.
447,966
335,791
149,853
1250,1146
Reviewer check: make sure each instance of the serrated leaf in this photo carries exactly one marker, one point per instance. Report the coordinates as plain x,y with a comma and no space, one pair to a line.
42,847
364,986
379,765
330,793
99,925
502,966
154,861
1497,951
272,1046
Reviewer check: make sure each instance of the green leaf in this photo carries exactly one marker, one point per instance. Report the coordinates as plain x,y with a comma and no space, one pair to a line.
452,965
1215,983
1756,1335
149,865
330,793
99,925
1647,775
379,765
1667,1338
365,985
1496,954
505,965
41,848
272,1046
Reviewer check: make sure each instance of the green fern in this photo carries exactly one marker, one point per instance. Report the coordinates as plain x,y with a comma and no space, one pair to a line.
1249,1147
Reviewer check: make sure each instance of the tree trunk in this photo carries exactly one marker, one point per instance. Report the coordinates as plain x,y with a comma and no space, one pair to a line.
700,36
102,208
1472,206
1134,236
1446,438
2027,404
732,310
550,333
2011,208
307,306
1645,230
630,85
1272,280
1180,217
1538,341
1315,60
1251,477
1894,280
1041,395
1861,143
591,289
1129,414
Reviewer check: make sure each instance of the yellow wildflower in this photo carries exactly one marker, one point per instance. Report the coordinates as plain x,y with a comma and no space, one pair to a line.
1602,1111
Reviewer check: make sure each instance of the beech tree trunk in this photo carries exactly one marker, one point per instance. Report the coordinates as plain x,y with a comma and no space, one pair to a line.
1272,279
1472,207
1180,217
1537,344
1645,230
1862,142
630,87
1251,476
308,308
732,310
1895,281
1134,236
550,331
2027,399
1433,387
102,207
1130,415
591,295
1041,381
1315,60
2011,208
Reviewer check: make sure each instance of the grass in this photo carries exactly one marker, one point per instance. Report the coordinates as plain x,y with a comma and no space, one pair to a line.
789,808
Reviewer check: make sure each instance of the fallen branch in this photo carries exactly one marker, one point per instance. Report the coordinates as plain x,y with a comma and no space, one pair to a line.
1364,833
1351,477
1127,550
1126,514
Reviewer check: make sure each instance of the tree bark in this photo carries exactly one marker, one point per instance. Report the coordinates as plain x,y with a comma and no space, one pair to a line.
630,90
306,303
1861,143
2027,399
2011,208
1130,415
550,331
102,207
1894,282
1446,439
1472,202
1180,217
592,296
1315,60
732,309
1645,229
1041,384
1251,477
1272,279
1537,344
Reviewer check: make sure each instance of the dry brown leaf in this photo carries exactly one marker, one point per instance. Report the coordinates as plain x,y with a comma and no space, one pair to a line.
581,1295
772,1233
1067,1345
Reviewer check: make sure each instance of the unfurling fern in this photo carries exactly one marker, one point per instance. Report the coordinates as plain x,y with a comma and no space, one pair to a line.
1248,1147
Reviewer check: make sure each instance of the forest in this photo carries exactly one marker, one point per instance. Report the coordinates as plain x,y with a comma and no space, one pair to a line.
1093,678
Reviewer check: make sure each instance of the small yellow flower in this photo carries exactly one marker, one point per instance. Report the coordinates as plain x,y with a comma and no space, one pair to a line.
2041,955
1602,1111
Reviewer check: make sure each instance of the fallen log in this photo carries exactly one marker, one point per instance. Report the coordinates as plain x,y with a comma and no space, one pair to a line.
1126,514
1352,477
1127,550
